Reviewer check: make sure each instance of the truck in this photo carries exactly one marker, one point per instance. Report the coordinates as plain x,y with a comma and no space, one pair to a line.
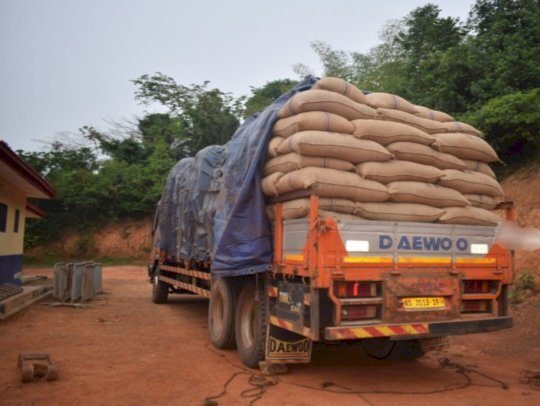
277,286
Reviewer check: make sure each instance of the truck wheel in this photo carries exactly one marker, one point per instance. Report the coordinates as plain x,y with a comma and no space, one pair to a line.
221,312
407,350
160,289
251,323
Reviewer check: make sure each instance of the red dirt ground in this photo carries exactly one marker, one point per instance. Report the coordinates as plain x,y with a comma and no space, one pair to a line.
128,351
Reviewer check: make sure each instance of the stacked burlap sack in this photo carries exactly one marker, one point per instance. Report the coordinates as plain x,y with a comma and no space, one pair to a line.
379,157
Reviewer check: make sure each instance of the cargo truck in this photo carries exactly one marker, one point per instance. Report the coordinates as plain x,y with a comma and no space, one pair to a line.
275,287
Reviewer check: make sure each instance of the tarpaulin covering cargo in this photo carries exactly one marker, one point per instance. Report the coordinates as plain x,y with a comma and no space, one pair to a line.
213,208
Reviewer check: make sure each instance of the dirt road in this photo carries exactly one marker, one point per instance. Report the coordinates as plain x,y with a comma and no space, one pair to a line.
129,351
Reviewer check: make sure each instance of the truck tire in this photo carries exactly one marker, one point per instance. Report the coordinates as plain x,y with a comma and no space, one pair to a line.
221,313
160,289
251,323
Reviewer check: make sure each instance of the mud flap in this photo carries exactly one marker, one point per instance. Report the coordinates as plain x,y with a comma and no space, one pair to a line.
286,347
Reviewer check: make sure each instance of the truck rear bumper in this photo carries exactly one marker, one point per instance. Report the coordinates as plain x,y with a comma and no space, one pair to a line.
417,330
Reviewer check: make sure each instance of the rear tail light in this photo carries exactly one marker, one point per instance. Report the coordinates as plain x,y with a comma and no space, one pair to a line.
350,313
355,289
471,287
475,306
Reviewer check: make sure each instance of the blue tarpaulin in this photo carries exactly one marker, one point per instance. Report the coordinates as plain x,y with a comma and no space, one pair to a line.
213,208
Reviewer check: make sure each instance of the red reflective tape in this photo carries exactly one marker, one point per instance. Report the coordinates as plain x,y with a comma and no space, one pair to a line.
374,332
347,333
398,330
421,328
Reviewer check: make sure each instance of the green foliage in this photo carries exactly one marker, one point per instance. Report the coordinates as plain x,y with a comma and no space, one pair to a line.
524,285
205,116
265,95
512,125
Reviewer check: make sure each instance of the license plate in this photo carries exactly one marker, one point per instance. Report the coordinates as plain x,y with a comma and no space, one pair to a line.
418,303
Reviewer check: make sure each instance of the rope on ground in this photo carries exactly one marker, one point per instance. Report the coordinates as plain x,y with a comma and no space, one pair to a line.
260,383
531,378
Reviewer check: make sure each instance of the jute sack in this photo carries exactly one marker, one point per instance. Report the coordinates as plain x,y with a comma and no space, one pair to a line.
298,208
422,154
334,145
312,120
387,132
470,182
429,126
269,183
399,212
293,161
395,171
390,101
342,87
479,166
424,193
483,201
430,114
469,216
465,146
273,146
323,100
459,127
331,183
338,216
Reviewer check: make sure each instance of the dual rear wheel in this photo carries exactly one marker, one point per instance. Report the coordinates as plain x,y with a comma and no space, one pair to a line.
239,319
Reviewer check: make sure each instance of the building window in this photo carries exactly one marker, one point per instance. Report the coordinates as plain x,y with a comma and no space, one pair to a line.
17,217
3,217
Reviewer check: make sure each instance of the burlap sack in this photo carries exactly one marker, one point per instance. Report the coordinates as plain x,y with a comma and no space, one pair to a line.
469,216
399,212
480,167
332,183
390,101
425,112
470,182
299,208
429,126
342,87
334,145
465,146
293,161
338,217
323,100
395,171
387,132
312,120
269,184
422,154
483,201
273,146
459,127
424,193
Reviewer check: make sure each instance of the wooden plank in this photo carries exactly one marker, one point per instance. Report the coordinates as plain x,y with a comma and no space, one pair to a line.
29,295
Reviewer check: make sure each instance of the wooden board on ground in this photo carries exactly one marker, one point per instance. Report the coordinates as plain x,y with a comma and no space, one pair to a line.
29,295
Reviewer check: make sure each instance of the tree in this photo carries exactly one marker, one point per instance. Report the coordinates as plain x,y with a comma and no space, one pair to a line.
206,116
512,125
263,96
505,47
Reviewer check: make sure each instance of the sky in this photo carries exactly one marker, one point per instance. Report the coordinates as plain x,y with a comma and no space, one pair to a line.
65,64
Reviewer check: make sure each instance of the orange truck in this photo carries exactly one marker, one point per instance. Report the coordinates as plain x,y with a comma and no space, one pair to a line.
395,286
275,287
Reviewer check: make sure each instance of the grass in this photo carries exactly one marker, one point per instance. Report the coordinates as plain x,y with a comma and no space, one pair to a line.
524,286
51,259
